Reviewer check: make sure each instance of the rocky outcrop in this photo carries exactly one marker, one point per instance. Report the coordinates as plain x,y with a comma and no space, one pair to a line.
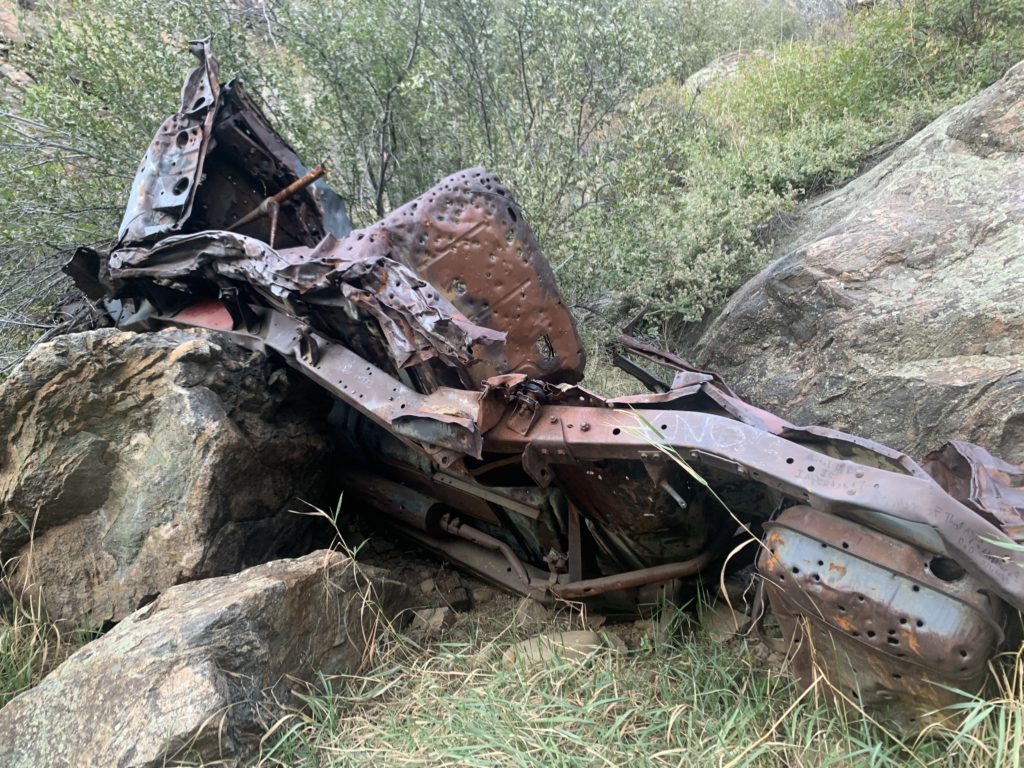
198,675
133,462
898,313
725,67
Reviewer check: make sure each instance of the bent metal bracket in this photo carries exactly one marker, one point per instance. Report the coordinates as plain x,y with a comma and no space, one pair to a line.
455,367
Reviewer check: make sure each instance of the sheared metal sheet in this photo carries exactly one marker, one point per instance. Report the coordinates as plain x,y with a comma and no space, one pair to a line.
467,237
165,183
416,321
248,157
992,487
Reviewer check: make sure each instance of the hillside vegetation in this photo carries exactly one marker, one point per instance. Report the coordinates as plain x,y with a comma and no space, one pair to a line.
643,190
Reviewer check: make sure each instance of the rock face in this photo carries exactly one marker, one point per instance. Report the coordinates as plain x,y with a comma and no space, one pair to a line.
133,462
899,313
194,676
724,67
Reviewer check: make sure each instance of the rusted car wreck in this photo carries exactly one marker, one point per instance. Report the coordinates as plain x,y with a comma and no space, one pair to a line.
456,368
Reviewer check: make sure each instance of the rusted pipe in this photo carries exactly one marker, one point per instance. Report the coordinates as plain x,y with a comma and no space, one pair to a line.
296,186
403,504
577,590
455,527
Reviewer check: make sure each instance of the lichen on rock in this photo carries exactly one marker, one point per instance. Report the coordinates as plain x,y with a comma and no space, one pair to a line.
897,309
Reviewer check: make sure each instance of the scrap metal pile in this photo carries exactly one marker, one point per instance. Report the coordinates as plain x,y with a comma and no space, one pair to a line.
455,367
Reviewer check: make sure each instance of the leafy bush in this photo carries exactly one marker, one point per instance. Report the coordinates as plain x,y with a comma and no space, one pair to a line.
698,179
391,95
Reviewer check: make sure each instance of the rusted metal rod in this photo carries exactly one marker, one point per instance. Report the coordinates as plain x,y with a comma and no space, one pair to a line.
576,590
263,208
455,527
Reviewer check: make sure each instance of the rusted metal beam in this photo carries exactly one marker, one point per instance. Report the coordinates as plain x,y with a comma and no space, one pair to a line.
455,527
578,590
911,508
444,423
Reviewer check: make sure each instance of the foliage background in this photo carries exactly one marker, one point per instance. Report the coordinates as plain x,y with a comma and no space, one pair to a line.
643,189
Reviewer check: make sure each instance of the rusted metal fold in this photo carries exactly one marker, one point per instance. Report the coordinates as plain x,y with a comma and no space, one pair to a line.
992,487
417,322
165,183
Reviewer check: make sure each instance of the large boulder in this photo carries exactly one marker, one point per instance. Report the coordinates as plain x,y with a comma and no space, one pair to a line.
898,313
133,462
201,674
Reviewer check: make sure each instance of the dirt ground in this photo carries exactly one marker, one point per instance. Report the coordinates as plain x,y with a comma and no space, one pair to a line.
456,606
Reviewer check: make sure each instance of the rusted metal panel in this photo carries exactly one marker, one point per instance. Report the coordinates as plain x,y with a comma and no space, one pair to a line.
992,487
416,323
446,419
166,181
467,237
220,138
886,622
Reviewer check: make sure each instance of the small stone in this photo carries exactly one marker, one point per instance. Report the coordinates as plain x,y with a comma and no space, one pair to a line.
529,612
483,595
382,546
429,623
646,626
10,29
427,586
578,646
722,622
453,593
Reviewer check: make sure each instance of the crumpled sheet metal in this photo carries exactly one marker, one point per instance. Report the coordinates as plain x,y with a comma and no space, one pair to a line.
378,270
417,322
992,487
251,160
220,126
165,183
888,624
441,331
446,423
454,275
467,237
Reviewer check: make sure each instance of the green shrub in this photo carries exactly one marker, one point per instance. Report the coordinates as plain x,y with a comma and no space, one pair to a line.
696,181
391,95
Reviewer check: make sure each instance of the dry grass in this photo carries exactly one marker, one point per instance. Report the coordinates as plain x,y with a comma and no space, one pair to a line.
688,699
691,700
